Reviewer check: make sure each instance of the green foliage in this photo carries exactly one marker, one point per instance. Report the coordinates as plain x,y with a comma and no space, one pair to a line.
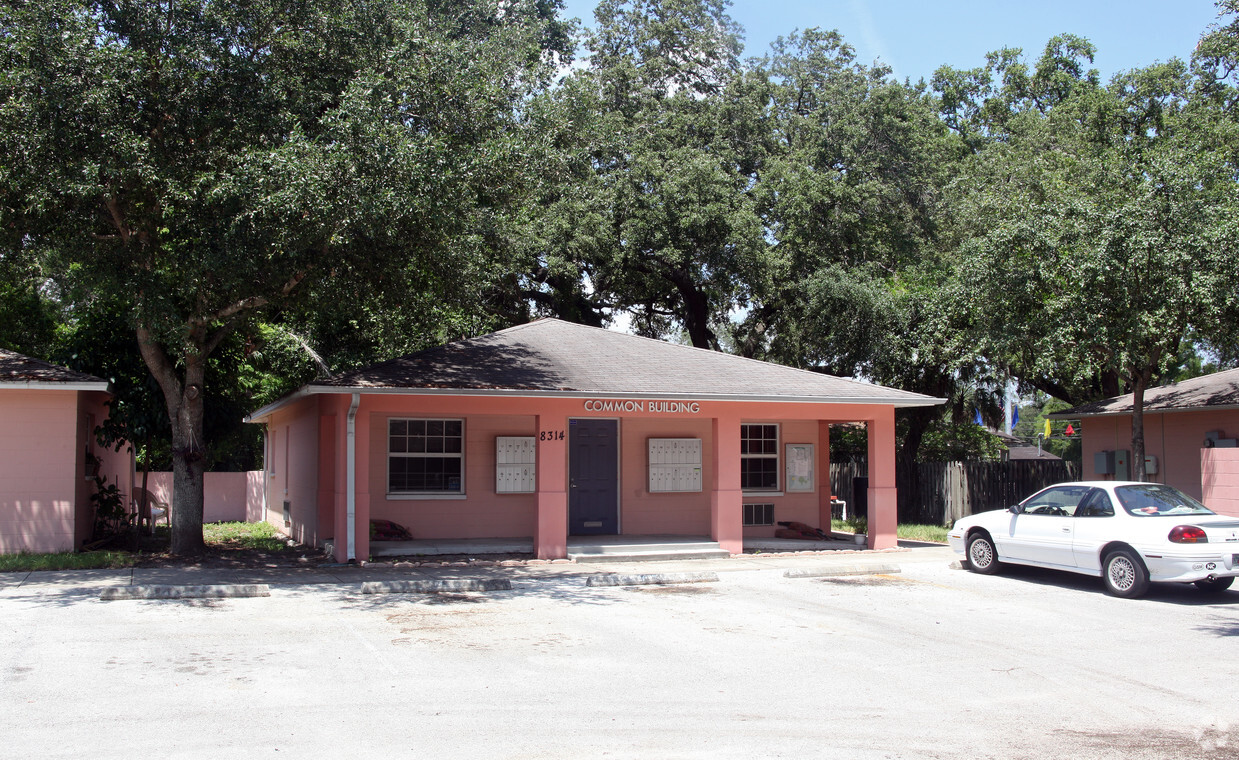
100,560
108,505
217,202
1096,230
659,221
259,536
27,316
945,441
909,531
1031,427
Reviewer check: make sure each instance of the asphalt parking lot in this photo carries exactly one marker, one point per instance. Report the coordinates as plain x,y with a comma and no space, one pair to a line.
926,662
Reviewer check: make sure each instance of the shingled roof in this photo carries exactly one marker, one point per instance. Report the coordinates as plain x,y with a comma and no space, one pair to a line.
1217,391
21,371
557,358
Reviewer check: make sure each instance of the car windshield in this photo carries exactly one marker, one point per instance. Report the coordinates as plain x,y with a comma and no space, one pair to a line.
1153,499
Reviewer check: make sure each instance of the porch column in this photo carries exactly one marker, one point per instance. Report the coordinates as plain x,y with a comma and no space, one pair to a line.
883,501
824,490
550,539
361,507
726,500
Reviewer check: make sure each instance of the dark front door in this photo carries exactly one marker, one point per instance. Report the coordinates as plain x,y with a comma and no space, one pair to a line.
593,477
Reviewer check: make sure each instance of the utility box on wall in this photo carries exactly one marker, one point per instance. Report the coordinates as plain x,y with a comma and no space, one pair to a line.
1122,464
1116,463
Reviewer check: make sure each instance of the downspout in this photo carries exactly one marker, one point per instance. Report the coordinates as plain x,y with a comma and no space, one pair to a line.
351,477
267,457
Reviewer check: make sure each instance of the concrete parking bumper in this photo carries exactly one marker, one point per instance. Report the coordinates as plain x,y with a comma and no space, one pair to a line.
230,591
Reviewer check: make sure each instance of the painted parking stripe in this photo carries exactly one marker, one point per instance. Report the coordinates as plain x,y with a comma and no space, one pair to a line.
650,579
431,587
827,572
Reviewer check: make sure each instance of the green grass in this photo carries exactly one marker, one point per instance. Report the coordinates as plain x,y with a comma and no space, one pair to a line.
234,535
238,535
933,533
15,563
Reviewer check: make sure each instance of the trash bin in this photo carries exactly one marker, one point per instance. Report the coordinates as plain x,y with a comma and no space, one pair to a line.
860,499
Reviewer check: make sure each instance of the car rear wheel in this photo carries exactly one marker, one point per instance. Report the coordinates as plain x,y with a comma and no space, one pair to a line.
1214,584
1124,574
982,557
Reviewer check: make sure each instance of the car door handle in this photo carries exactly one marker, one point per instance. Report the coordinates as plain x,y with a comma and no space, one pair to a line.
1066,529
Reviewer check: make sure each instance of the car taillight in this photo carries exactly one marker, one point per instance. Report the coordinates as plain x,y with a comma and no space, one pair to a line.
1188,534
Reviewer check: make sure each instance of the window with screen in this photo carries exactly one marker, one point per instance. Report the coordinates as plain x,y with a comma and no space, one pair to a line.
425,456
759,457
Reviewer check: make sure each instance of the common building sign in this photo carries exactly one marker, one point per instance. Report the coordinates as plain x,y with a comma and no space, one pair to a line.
650,406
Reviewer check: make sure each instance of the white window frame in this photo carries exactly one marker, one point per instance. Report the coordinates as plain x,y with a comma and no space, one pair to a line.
776,456
413,495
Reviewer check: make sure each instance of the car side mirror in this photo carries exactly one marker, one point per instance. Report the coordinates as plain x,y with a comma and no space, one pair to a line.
1014,509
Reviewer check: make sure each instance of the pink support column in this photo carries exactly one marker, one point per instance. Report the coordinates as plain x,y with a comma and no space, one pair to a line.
726,500
551,539
824,492
883,501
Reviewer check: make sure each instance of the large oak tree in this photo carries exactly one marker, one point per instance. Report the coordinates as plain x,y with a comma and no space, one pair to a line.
203,161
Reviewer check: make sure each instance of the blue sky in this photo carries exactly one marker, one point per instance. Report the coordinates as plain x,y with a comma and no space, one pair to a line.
914,37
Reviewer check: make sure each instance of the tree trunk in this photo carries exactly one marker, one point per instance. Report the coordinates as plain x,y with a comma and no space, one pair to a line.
919,421
184,400
1140,381
696,313
188,465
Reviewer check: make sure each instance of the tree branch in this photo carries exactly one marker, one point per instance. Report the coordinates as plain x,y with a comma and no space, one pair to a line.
118,220
159,364
245,304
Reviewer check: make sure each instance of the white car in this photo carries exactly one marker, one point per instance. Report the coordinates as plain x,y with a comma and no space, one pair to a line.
1130,534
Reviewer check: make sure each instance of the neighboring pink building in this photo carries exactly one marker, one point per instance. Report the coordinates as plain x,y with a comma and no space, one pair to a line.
1190,432
551,429
48,455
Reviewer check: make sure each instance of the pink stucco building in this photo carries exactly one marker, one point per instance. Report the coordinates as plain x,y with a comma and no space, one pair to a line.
48,455
1190,432
551,429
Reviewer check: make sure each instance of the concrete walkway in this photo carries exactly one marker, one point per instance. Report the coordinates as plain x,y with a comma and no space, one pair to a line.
94,582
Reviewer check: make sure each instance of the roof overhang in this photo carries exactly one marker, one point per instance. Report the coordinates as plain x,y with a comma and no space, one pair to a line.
316,390
1068,415
43,385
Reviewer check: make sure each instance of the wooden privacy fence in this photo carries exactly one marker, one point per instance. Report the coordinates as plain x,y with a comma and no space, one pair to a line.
939,493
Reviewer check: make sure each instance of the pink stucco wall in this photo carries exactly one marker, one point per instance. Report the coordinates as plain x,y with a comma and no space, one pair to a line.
791,506
41,470
483,513
662,514
1174,438
44,488
292,471
1220,480
307,440
226,496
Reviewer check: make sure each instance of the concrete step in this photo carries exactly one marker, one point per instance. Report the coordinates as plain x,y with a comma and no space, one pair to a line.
645,552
